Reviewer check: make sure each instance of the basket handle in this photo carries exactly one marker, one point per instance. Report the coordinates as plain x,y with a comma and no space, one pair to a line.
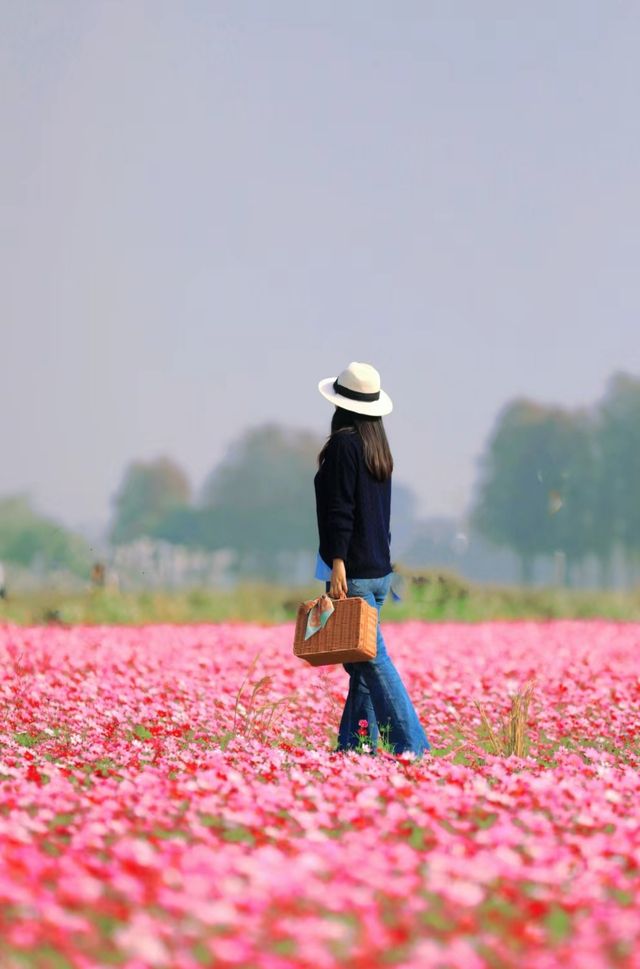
333,599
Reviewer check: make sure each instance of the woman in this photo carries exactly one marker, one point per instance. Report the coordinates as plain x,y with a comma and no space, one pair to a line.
353,500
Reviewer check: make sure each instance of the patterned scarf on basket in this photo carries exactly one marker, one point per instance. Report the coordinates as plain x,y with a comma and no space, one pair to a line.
320,610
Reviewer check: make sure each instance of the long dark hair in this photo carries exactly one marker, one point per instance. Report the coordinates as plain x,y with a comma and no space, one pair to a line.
377,453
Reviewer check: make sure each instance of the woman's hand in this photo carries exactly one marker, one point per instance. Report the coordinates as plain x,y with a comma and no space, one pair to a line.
338,586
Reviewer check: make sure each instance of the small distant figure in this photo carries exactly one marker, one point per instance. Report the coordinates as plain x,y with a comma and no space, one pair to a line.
98,575
3,583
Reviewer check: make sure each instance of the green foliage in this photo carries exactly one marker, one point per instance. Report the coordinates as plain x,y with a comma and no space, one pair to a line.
557,922
27,739
182,525
558,480
260,500
535,457
150,492
618,446
28,539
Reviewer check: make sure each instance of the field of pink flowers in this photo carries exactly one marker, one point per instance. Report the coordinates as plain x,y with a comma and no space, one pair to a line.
163,804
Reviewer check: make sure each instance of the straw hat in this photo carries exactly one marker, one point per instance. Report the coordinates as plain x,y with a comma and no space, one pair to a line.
357,389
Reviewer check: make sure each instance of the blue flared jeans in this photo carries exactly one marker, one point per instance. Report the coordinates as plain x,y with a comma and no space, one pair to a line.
376,691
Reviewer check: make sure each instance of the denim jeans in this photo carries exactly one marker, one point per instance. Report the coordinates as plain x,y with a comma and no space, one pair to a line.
376,692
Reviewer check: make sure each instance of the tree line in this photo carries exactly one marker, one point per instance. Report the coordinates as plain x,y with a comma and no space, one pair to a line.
560,480
258,501
550,479
35,542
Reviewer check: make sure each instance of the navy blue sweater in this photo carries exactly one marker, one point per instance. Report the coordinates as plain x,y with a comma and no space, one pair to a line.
353,510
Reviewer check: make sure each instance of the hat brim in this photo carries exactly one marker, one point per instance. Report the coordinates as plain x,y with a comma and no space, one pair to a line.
374,408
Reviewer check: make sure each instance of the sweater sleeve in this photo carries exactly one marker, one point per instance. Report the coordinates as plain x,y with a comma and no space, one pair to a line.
341,469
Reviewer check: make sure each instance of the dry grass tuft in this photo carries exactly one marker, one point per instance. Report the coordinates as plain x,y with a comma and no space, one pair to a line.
512,737
257,715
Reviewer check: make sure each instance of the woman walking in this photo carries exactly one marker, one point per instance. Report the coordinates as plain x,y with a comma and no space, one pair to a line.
353,502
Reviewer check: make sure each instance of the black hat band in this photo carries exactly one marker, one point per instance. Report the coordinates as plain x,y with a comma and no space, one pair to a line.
354,394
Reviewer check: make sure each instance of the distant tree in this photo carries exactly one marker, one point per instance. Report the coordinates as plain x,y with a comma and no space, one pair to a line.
617,512
149,493
573,526
29,539
181,525
260,501
534,493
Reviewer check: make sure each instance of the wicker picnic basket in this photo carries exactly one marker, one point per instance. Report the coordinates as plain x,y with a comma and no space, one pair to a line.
348,637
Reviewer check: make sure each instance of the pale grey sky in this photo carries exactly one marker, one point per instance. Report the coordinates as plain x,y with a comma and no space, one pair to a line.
208,206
